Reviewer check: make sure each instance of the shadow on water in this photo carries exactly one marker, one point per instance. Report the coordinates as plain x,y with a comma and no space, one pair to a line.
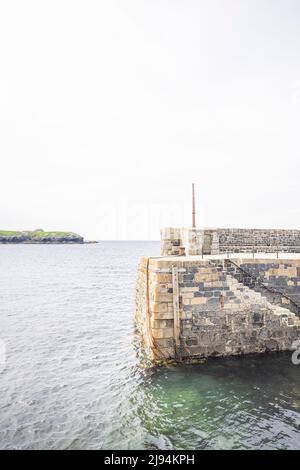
233,403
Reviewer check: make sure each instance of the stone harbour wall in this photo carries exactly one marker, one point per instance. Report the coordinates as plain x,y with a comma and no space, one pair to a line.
154,309
142,318
225,240
259,240
191,308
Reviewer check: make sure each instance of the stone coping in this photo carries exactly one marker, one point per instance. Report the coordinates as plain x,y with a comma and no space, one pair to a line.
163,261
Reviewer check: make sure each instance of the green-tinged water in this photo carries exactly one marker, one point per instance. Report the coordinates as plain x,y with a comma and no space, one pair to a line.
71,377
236,403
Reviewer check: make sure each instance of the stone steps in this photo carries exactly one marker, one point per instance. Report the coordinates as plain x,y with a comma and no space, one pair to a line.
249,296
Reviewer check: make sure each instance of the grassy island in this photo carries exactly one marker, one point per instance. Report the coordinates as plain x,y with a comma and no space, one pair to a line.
38,236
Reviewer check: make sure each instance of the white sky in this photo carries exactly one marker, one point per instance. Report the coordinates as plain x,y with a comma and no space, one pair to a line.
110,109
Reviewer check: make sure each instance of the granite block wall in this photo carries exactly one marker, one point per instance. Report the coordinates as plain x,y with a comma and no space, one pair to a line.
217,315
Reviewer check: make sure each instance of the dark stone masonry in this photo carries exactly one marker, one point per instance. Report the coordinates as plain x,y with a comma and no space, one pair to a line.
259,240
228,240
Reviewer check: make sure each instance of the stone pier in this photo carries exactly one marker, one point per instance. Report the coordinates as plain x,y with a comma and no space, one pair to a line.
193,307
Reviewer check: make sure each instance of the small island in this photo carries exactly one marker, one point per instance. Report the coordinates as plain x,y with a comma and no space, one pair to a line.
39,236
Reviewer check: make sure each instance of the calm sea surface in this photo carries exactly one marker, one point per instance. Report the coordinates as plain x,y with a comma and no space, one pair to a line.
71,378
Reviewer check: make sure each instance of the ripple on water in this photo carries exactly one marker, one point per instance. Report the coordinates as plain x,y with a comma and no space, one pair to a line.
71,379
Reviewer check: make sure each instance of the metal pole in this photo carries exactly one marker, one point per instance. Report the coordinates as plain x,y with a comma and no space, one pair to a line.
194,207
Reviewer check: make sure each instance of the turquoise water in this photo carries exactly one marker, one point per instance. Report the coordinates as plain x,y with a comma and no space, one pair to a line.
71,378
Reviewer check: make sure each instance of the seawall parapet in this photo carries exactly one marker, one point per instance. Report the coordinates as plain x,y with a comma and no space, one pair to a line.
211,241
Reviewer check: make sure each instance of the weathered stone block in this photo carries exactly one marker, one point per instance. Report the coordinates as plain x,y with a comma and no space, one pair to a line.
159,297
160,307
162,323
168,315
198,300
162,333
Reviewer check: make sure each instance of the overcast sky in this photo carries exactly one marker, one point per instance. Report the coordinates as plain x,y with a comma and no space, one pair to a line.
110,109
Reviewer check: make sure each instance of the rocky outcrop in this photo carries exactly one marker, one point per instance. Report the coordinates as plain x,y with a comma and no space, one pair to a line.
39,236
